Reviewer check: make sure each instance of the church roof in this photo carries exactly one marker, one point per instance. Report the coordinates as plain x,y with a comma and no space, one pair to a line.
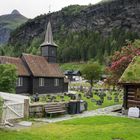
29,64
48,36
39,66
132,73
21,68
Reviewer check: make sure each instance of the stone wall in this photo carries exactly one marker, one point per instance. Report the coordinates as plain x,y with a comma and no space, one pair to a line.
37,110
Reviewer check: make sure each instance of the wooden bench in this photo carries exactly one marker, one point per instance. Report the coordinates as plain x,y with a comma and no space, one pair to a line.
54,108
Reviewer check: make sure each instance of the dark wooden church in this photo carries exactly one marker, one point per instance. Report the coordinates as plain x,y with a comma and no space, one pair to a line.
39,74
130,80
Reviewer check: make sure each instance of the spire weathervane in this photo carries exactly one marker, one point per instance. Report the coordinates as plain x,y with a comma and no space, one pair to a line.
48,36
49,9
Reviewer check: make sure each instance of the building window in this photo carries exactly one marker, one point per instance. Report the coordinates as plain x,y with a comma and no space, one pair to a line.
56,82
41,82
19,82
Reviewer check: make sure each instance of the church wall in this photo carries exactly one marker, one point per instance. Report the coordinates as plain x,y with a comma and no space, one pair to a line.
48,86
26,88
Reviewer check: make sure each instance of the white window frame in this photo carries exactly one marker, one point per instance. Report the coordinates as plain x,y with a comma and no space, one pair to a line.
41,82
19,82
56,82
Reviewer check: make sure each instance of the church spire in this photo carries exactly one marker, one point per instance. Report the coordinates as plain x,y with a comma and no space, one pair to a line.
48,36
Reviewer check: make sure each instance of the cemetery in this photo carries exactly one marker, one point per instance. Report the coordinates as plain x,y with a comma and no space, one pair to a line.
83,83
75,101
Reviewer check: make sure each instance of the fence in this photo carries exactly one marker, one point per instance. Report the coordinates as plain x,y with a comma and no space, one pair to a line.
13,111
15,106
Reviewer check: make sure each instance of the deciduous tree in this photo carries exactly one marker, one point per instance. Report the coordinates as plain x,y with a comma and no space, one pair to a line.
91,71
8,77
120,61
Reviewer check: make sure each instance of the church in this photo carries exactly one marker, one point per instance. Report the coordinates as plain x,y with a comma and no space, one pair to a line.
39,74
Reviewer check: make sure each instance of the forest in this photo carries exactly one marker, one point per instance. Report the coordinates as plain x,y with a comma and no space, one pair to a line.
78,46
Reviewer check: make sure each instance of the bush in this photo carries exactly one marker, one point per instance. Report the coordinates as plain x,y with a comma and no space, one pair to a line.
8,77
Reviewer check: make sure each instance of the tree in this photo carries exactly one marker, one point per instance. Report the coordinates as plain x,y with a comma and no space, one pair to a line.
120,61
8,77
91,71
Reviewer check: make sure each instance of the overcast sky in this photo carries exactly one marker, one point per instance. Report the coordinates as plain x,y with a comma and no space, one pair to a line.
33,8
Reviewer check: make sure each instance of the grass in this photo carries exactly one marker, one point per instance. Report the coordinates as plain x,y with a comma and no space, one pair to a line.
71,66
91,105
132,72
91,128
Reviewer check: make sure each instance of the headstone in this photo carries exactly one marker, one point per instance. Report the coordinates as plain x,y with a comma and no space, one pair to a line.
116,99
109,98
93,100
81,88
36,98
99,102
134,112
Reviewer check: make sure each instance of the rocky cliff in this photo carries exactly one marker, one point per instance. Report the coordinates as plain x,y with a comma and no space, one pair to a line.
102,17
8,23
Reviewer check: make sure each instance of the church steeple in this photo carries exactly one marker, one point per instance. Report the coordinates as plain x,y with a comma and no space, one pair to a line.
48,47
48,36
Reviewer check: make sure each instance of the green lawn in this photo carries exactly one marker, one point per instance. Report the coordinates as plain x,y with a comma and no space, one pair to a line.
93,106
91,128
71,66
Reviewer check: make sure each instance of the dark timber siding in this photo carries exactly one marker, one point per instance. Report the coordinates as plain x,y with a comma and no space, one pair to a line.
26,88
31,86
65,87
48,87
130,98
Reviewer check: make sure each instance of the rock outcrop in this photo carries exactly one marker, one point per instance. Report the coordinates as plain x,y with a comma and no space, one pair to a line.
102,17
8,23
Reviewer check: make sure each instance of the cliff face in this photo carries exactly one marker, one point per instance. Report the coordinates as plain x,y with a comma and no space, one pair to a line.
102,17
8,23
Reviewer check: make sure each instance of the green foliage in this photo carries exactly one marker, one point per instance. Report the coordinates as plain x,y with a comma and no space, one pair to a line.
91,71
8,77
120,61
35,46
86,45
75,46
72,9
136,43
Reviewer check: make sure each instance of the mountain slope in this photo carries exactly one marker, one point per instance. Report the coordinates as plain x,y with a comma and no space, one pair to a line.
8,23
83,32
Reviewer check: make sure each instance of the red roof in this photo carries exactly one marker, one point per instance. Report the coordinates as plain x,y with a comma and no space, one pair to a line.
39,66
21,69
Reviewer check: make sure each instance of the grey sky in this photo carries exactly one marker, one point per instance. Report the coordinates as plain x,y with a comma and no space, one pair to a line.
33,8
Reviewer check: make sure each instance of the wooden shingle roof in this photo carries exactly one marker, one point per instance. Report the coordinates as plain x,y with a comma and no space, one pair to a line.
21,68
39,66
132,73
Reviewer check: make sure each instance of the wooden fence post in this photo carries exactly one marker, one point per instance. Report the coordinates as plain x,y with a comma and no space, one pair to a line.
26,108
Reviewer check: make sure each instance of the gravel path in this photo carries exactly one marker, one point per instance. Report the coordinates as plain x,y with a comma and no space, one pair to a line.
40,121
101,111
